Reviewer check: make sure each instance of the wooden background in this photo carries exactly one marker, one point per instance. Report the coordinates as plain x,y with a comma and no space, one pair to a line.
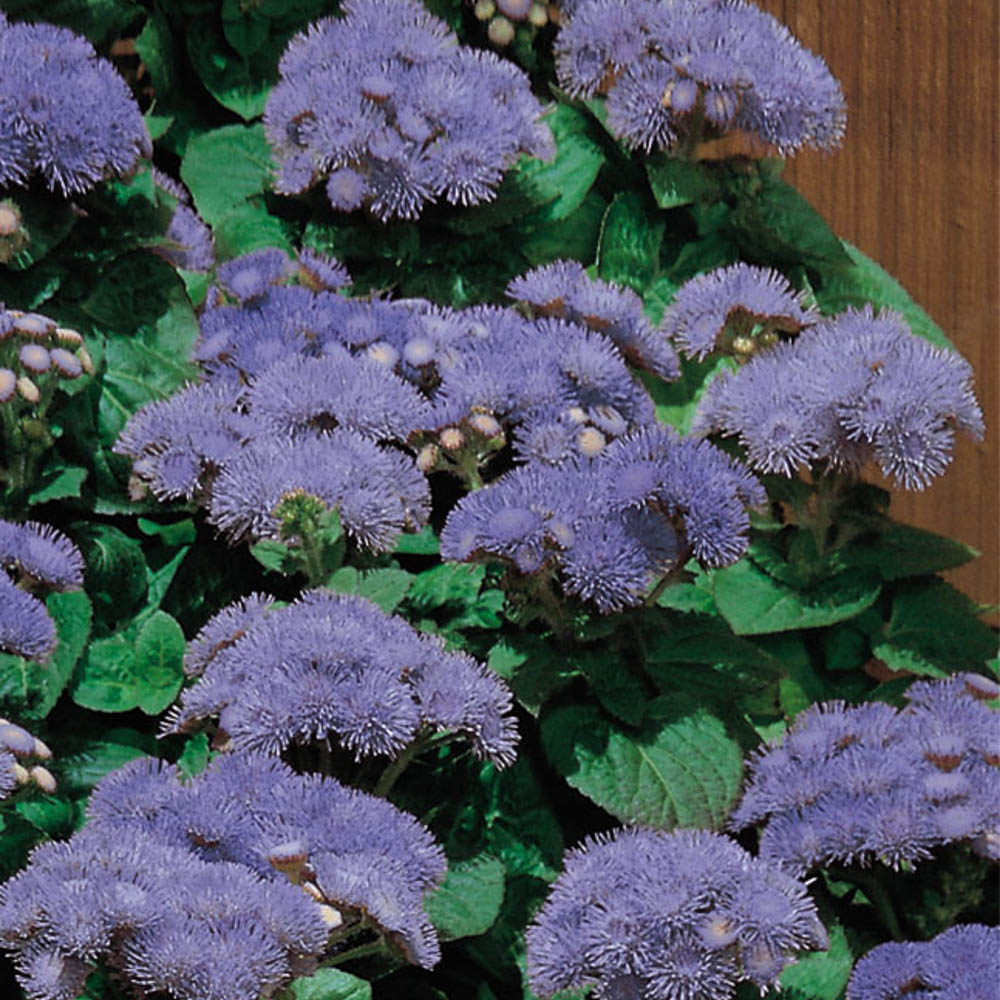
916,185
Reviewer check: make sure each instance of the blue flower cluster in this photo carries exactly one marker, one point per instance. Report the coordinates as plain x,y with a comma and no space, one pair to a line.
307,390
333,667
640,507
222,887
35,353
187,243
34,557
849,389
387,106
564,290
856,784
736,310
65,114
961,963
17,750
668,916
696,69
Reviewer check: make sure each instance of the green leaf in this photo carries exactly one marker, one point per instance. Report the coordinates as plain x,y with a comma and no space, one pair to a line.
449,583
159,662
51,816
72,614
468,901
821,975
561,185
753,603
934,630
80,771
59,485
776,224
423,543
903,550
575,236
175,534
680,182
275,556
105,678
865,282
195,756
385,587
532,668
331,984
680,768
631,235
247,227
116,567
224,167
235,81
619,690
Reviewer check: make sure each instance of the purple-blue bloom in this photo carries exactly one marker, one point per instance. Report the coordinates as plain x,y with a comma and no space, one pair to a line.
735,310
386,105
961,962
863,783
251,275
855,387
25,626
65,114
334,667
613,523
187,242
662,916
696,69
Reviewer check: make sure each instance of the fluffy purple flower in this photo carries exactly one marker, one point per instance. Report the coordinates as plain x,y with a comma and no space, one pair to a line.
611,524
251,814
321,272
735,309
378,492
563,290
856,784
179,443
963,961
64,113
303,395
187,242
41,554
338,667
642,913
698,68
394,113
852,388
251,275
25,626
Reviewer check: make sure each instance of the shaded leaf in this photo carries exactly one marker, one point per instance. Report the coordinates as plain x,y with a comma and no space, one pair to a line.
331,984
469,899
680,768
72,614
59,484
159,662
821,975
903,550
680,182
631,235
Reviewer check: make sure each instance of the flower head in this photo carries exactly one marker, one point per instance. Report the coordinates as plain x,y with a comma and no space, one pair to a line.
67,115
669,68
664,915
394,113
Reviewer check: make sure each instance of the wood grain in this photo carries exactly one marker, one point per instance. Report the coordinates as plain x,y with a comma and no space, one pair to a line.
916,185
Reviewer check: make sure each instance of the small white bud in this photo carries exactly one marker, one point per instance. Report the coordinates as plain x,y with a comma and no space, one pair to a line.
42,777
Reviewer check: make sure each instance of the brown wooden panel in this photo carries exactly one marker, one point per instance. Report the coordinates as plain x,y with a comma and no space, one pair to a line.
916,185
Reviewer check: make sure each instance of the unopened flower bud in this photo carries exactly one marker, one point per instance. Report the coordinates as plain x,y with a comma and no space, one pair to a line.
289,858
419,351
767,339
311,889
41,750
427,457
68,337
28,389
42,777
561,532
577,414
484,9
743,345
538,16
383,353
981,687
8,384
67,364
591,441
86,360
451,438
500,32
485,424
516,10
21,775
944,751
35,358
33,324
36,430
331,917
16,739
10,218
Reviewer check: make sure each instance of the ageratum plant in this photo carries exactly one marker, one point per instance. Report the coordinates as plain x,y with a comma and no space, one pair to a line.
441,555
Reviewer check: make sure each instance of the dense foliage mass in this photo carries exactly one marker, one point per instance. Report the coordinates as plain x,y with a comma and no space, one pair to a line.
436,536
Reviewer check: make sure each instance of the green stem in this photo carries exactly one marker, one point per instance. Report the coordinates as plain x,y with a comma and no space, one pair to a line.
872,887
359,951
390,775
